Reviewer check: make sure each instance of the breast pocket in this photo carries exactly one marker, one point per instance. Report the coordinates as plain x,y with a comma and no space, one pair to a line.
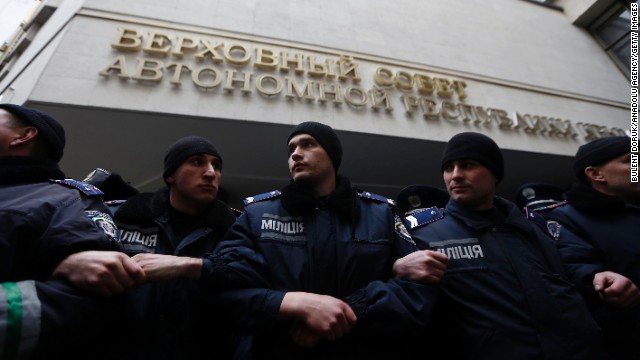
372,256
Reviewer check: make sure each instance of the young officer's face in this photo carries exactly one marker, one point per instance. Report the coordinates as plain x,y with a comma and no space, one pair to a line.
8,132
470,184
197,180
308,161
617,175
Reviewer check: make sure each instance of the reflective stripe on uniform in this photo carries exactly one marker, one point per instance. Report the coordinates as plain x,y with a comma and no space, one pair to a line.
19,319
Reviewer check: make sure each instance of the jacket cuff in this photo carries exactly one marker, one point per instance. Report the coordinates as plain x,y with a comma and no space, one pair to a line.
212,275
272,303
358,303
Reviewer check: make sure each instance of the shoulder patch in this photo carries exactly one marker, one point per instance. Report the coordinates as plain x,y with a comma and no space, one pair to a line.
371,196
85,188
261,197
554,228
552,206
538,220
423,217
103,222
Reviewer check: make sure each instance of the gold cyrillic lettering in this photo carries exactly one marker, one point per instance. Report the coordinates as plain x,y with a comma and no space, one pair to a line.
237,49
450,111
209,49
119,65
129,40
380,98
265,59
184,44
348,69
423,83
155,44
411,103
244,79
442,87
175,79
458,87
330,89
403,80
270,79
358,100
197,78
286,62
430,111
149,70
294,91
315,69
383,77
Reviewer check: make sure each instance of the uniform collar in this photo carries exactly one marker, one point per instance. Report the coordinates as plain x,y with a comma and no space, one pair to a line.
299,199
28,170
512,216
587,199
153,205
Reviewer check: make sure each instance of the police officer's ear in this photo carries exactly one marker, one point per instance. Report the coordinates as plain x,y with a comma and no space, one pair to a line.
594,175
23,135
169,180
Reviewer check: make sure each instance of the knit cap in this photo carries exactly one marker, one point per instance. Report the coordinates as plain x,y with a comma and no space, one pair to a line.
49,130
183,149
478,147
598,152
326,137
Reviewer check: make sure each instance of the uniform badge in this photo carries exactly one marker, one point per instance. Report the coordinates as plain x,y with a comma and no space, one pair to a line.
104,222
402,231
554,228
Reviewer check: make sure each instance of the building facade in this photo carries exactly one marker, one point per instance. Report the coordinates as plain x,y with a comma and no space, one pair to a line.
396,79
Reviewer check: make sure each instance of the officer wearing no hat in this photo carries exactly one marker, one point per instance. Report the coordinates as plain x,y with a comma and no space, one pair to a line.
45,219
533,195
503,276
597,235
418,196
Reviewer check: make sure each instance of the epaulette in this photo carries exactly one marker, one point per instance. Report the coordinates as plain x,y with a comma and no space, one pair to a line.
371,196
256,198
85,188
534,217
551,227
423,217
552,206
236,212
114,202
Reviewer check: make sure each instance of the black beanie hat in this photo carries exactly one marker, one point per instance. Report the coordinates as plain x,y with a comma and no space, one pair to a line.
49,130
478,147
598,152
325,135
182,149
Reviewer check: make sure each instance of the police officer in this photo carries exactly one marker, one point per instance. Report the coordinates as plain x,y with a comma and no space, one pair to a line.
597,233
414,197
504,290
116,190
314,260
45,218
168,232
533,195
